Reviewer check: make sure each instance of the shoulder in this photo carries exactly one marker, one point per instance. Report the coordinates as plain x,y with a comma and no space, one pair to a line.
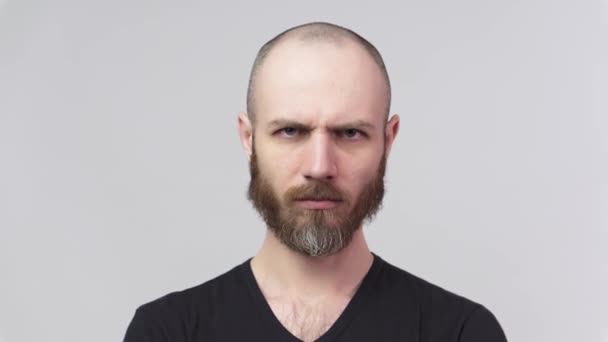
191,298
442,314
426,295
177,315
196,297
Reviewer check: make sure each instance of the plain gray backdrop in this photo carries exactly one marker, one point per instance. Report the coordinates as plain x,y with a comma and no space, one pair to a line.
122,177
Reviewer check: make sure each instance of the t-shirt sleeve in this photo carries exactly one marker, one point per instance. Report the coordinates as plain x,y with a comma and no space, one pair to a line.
482,326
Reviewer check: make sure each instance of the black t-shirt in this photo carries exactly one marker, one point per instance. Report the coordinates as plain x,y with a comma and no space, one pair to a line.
390,305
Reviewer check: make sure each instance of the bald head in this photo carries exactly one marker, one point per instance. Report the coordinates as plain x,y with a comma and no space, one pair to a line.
316,32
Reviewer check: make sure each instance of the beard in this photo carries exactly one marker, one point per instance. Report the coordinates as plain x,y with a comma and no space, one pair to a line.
318,232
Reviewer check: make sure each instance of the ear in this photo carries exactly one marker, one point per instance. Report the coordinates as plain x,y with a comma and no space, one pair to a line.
246,134
392,128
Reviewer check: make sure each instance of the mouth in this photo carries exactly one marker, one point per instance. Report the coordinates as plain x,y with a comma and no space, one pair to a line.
317,203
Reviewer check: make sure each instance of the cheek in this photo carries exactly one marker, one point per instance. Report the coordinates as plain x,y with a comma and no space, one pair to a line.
358,172
360,167
279,169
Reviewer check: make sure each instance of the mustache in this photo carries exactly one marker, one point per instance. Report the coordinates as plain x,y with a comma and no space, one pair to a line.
315,190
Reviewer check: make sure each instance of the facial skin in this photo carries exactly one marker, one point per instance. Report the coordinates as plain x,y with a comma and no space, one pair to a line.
321,140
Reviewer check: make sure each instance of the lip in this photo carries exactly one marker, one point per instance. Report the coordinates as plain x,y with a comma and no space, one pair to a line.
317,204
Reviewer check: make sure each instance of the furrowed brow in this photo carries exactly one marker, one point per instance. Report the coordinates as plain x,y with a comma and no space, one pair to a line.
286,123
358,124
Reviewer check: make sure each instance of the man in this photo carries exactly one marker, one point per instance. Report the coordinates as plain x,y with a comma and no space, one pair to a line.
317,135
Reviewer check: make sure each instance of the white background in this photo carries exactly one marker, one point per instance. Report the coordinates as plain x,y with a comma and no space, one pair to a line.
122,178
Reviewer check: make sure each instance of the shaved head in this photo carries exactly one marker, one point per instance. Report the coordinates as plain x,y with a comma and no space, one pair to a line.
317,136
311,33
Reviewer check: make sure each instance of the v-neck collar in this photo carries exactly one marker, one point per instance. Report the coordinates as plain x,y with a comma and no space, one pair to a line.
349,312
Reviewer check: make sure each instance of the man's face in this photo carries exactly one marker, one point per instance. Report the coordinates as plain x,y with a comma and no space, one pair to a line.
319,147
314,218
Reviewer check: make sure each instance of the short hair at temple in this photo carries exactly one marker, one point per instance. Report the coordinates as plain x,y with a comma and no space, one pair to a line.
315,31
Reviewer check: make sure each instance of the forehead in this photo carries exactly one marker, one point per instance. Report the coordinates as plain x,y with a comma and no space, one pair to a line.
320,82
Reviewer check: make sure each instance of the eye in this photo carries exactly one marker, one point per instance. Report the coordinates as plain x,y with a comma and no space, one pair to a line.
288,131
351,133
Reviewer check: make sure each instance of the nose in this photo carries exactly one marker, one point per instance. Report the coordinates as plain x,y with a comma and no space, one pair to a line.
320,162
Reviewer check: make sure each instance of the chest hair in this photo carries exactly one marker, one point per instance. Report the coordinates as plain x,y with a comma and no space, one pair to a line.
308,320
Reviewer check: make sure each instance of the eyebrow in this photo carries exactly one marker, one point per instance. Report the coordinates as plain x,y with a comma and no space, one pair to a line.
355,124
286,123
290,123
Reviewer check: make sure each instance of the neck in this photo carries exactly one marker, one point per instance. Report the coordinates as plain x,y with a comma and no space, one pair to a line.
280,271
